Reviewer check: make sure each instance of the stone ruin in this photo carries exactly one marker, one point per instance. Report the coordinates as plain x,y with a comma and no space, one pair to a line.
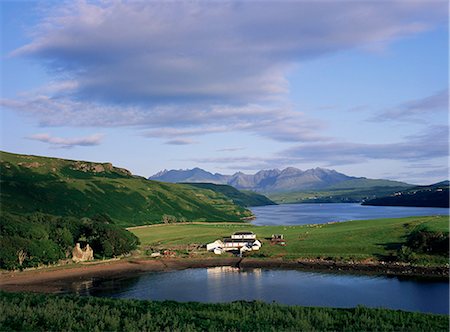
82,255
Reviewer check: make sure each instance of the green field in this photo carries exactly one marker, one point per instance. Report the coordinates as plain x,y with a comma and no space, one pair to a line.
39,312
353,240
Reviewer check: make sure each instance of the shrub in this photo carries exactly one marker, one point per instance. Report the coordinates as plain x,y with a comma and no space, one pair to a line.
28,241
425,241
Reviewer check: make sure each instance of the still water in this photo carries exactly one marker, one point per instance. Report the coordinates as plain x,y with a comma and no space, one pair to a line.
302,214
293,287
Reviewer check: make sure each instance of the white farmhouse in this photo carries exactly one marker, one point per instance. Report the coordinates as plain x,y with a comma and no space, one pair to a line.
239,241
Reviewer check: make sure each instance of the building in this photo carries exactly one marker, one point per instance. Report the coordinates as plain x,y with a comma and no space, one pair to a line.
244,235
234,244
278,239
215,244
239,241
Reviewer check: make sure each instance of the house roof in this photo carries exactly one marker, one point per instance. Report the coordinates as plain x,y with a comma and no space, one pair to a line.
243,233
238,240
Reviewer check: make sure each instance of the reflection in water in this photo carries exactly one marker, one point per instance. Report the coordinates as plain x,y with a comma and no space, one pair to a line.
221,271
223,281
101,286
293,287
82,287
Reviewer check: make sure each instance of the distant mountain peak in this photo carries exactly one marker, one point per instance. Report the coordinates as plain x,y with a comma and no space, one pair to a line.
268,180
272,180
161,173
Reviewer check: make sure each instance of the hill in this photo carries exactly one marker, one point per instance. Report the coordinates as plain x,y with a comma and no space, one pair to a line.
84,189
435,195
273,181
349,191
241,198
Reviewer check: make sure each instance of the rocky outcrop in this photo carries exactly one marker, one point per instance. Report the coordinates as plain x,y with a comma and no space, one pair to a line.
34,164
82,255
95,168
99,168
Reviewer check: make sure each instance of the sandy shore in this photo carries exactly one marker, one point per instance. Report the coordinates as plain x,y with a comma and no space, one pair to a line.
57,279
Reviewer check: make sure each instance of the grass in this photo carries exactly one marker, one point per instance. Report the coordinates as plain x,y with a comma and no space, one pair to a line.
352,240
39,312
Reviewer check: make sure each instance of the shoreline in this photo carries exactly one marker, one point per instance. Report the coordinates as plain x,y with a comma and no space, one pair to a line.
59,279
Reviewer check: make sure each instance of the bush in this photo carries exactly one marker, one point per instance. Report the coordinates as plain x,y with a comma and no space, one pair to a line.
405,254
28,241
425,241
39,312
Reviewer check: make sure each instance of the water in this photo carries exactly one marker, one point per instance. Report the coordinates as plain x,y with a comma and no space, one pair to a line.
302,214
292,287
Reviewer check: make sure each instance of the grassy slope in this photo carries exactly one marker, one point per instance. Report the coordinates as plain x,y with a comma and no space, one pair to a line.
334,195
363,183
61,187
39,312
239,197
354,190
436,195
358,240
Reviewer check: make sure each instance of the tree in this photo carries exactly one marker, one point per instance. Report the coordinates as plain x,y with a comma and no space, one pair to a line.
21,255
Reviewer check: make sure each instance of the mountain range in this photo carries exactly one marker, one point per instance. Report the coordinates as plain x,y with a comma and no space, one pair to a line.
290,179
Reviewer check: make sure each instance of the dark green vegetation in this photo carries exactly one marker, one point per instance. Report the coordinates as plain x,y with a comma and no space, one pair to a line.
350,191
39,312
436,195
424,240
84,189
29,241
380,239
241,198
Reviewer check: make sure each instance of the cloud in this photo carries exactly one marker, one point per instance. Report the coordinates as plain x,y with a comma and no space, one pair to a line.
280,123
180,141
68,142
416,110
231,149
426,177
199,67
158,52
425,146
433,143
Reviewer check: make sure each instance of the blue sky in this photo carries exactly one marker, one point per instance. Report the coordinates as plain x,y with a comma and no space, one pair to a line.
360,87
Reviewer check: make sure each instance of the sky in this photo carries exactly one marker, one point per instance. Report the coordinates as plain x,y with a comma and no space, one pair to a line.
356,86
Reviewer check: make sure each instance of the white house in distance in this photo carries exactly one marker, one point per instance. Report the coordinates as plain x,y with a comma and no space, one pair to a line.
241,241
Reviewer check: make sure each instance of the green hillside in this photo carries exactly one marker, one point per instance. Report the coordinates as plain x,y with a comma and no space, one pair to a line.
349,191
240,197
364,183
83,189
435,195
